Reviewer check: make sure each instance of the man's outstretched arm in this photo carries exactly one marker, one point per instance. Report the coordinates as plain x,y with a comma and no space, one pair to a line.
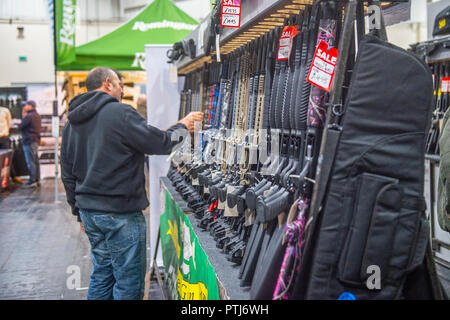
151,140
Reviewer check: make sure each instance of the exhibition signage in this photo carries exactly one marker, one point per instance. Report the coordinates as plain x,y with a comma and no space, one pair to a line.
64,18
188,273
161,22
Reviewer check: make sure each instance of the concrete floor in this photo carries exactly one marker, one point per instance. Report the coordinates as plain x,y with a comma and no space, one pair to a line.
42,246
40,240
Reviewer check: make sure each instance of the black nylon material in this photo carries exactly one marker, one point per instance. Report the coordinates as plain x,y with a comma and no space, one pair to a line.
386,118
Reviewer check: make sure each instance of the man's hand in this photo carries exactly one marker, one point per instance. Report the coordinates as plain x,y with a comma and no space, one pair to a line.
190,119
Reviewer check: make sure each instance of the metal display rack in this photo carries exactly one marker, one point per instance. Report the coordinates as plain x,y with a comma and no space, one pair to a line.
257,18
435,52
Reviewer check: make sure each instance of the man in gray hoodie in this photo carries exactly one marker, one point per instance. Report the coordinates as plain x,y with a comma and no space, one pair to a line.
102,161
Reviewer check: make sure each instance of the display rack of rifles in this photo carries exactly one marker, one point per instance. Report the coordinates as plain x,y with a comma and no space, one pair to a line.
315,194
436,53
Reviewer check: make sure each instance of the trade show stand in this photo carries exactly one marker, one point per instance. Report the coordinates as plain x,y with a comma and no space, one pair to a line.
226,272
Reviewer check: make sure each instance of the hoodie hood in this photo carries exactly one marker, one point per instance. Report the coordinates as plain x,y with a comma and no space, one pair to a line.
86,105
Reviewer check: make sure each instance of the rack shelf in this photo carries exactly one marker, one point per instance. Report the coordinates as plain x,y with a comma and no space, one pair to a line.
258,17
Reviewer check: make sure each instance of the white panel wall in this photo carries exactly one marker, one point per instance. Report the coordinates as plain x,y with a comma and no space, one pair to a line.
23,9
36,46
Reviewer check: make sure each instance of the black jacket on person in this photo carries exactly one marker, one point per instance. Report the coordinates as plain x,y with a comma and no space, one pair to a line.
31,127
102,154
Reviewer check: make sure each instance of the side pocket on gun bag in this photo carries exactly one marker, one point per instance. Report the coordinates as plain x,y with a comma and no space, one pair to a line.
382,231
370,189
389,233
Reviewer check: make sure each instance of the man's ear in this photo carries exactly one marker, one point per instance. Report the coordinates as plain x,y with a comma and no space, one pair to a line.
107,84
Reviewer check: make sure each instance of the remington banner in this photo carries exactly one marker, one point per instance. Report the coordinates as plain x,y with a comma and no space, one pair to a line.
188,273
64,19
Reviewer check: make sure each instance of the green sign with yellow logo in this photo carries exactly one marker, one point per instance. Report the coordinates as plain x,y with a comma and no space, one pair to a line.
188,273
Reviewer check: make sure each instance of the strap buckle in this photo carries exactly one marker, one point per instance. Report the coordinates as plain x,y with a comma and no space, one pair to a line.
338,109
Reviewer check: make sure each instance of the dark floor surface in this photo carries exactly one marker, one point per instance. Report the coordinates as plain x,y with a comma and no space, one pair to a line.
42,245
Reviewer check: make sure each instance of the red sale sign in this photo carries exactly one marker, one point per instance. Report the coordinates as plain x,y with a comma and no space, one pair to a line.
231,14
286,40
445,85
323,66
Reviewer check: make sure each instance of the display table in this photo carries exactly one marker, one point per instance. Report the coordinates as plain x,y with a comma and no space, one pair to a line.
5,167
194,267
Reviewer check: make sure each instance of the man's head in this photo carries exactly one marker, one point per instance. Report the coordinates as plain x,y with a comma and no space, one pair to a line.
29,105
106,80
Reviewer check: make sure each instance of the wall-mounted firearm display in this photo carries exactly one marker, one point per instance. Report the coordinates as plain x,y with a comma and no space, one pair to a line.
305,188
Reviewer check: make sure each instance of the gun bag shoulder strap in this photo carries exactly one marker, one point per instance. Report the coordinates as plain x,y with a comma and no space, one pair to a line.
372,231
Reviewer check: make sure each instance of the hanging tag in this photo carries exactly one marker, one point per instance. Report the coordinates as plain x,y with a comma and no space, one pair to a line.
173,74
323,66
195,182
218,47
281,219
286,41
445,85
231,14
221,205
249,217
231,212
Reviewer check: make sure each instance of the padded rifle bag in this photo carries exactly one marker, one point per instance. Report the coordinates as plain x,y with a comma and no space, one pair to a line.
372,233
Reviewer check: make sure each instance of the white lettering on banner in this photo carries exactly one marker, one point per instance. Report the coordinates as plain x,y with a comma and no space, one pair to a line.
142,26
67,32
139,60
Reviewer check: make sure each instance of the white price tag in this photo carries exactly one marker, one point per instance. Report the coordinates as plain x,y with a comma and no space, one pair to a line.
173,76
323,66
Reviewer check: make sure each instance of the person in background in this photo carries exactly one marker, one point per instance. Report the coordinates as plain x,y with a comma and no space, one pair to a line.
5,143
31,138
102,168
142,105
5,125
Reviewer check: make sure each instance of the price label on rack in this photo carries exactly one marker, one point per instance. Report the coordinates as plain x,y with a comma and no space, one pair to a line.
231,13
445,85
323,66
286,40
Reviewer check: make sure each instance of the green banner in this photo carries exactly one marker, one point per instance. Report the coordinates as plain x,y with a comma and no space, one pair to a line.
188,273
65,13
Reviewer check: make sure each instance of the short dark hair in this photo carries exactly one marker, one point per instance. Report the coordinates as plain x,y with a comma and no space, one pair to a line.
96,77
119,74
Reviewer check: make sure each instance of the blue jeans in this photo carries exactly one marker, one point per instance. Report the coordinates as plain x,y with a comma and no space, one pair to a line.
118,252
32,159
